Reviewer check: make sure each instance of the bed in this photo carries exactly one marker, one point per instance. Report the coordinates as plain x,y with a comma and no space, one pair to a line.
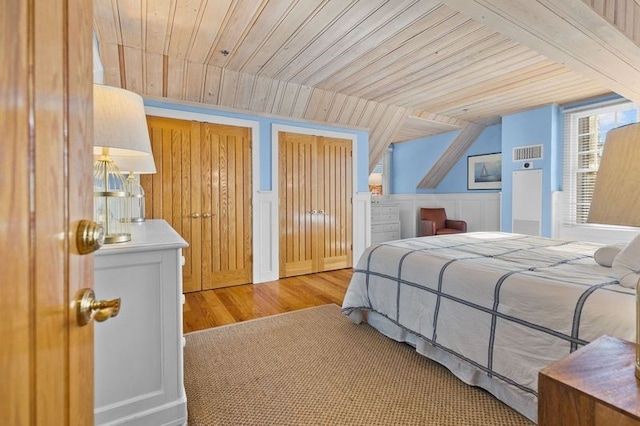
494,308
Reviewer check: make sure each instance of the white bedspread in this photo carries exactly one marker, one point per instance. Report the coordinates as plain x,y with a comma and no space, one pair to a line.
498,306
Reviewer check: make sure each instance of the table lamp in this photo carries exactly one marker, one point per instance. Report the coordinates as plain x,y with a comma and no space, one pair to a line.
616,195
135,165
120,129
375,185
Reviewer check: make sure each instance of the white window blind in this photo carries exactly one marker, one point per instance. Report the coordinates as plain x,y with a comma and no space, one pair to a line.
386,170
379,168
585,131
383,169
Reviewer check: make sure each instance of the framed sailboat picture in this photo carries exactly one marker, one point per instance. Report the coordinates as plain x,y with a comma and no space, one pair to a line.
484,171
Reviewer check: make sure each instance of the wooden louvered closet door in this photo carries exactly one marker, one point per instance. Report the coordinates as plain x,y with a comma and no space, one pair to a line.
203,189
315,204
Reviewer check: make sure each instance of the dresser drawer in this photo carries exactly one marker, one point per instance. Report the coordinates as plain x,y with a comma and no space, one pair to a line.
386,231
385,227
384,212
385,222
384,218
382,209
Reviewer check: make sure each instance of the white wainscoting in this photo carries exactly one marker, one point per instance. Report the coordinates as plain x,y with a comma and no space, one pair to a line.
361,224
266,237
481,211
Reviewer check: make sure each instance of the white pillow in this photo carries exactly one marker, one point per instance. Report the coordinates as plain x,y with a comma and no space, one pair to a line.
605,255
630,280
628,262
629,256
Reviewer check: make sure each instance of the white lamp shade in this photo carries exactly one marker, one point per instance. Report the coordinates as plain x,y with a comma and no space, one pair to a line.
138,164
375,179
119,122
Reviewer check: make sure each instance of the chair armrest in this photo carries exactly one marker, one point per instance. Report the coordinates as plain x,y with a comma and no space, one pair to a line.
456,224
427,227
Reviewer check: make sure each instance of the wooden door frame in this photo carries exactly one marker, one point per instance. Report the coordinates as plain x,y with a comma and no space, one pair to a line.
356,238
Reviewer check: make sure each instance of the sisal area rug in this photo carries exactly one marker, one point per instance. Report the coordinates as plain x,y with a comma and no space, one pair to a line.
315,367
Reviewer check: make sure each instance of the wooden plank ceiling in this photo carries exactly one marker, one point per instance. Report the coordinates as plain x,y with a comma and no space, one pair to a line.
400,68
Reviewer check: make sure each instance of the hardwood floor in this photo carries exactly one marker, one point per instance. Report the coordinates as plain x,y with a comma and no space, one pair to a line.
212,308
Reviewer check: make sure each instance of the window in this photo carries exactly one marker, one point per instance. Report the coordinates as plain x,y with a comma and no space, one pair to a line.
375,179
380,178
585,133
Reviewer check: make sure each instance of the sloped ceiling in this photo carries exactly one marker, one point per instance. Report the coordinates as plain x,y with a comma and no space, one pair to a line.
400,68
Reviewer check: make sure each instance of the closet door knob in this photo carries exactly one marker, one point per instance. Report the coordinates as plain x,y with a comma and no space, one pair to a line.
206,215
195,215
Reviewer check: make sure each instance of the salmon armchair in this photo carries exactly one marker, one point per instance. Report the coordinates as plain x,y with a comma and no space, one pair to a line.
433,221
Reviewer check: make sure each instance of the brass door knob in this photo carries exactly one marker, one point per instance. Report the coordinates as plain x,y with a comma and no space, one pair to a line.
88,308
89,236
195,215
206,215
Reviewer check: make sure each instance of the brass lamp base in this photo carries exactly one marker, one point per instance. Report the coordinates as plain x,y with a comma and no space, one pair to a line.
117,238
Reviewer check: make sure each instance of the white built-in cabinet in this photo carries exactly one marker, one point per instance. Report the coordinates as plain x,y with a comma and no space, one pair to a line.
138,361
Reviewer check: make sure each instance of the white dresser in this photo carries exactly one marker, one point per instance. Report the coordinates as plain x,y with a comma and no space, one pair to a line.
138,354
385,222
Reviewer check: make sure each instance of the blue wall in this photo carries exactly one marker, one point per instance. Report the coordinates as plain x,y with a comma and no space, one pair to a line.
541,126
412,159
265,124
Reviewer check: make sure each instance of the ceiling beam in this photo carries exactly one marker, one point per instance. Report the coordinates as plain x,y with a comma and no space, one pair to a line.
379,141
569,32
451,155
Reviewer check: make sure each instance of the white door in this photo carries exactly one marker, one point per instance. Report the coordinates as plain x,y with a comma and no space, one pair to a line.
526,202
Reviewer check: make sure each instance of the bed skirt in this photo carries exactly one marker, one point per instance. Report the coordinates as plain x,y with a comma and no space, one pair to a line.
523,402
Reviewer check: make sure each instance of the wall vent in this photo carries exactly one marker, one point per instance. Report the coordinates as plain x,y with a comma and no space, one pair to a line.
531,152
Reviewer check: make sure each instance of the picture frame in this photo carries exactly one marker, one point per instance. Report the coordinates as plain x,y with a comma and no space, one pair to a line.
484,171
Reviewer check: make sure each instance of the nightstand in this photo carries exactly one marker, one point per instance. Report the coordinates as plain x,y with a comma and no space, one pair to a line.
594,385
138,354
